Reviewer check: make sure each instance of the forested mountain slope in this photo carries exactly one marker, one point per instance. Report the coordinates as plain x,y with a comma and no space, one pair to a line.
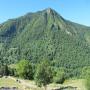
45,35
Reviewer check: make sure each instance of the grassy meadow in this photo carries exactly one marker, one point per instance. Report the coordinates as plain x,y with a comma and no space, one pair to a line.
30,85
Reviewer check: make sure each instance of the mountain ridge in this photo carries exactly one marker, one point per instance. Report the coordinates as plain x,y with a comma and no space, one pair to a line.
45,35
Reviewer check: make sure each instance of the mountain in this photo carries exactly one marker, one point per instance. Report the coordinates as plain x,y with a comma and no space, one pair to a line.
45,35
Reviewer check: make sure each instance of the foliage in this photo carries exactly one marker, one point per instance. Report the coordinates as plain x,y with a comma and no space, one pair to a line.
24,69
59,76
46,35
4,70
86,75
88,82
43,75
85,72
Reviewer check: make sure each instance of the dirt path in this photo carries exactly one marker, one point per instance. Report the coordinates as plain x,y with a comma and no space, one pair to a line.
29,85
24,84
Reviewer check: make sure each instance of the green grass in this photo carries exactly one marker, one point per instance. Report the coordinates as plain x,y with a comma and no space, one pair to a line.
79,83
7,82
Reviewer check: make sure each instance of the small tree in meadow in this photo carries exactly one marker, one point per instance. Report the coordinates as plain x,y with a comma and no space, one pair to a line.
43,75
24,69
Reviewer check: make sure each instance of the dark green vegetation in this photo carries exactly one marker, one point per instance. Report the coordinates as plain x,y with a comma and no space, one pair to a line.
24,69
4,70
86,75
88,82
43,75
46,35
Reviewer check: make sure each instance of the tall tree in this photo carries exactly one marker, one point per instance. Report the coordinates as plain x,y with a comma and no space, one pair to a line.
24,69
43,75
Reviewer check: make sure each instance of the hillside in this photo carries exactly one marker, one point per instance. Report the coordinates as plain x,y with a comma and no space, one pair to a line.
45,35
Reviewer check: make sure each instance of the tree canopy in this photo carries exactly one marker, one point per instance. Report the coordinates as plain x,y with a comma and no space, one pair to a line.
43,75
24,69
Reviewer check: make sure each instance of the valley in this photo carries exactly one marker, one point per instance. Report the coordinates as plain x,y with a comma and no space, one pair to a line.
46,51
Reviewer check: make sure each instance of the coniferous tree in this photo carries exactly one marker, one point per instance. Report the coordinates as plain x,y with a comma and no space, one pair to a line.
43,75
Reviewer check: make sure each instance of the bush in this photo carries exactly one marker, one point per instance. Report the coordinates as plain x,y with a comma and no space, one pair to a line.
4,70
88,82
86,75
43,75
24,69
59,77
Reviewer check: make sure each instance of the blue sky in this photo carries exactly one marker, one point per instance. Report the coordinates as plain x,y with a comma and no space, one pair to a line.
74,10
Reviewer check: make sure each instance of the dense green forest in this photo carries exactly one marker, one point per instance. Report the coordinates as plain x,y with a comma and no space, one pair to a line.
45,35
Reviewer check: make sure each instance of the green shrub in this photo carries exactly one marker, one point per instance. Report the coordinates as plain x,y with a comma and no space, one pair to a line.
59,77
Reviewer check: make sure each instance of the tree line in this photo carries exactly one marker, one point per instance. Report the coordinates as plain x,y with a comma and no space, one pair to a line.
42,73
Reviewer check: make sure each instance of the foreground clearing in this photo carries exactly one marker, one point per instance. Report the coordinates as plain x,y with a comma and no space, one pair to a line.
7,82
79,83
30,85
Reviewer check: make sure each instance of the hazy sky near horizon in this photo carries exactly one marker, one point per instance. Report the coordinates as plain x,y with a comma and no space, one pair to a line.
73,10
